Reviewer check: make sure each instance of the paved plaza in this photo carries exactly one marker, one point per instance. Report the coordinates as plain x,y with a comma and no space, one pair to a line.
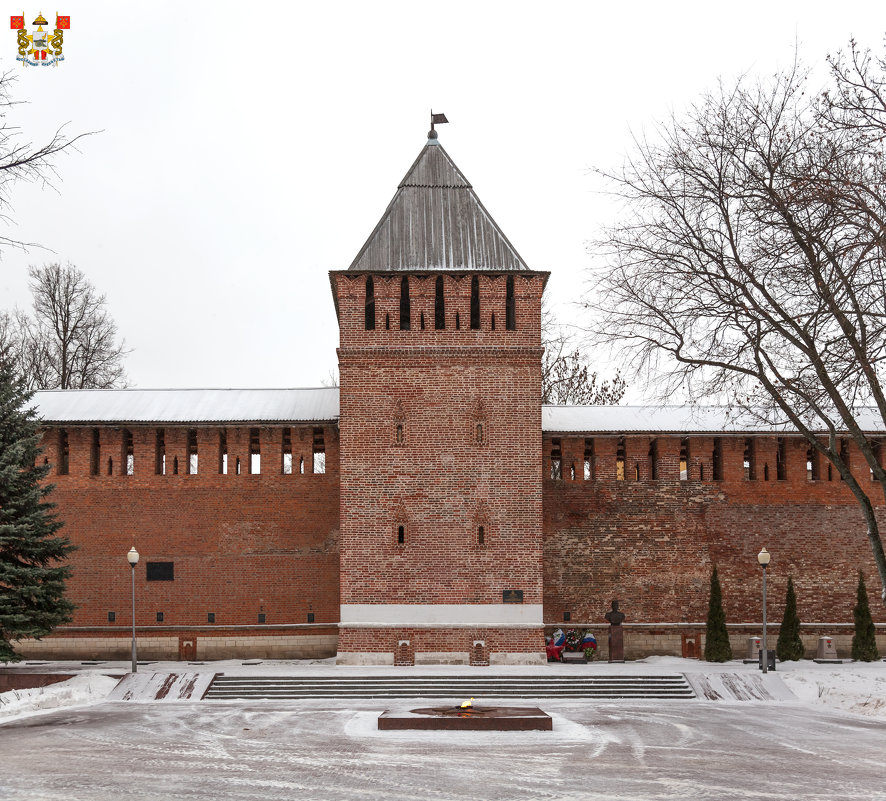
255,750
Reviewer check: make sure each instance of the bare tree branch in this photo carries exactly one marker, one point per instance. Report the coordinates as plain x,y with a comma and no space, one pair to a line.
751,266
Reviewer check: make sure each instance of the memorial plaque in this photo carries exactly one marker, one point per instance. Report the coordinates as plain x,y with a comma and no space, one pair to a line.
512,596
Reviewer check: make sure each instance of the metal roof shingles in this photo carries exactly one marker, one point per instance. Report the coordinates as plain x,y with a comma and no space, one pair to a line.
188,405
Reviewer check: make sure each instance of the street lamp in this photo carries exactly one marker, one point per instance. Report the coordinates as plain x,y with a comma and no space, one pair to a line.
132,558
763,558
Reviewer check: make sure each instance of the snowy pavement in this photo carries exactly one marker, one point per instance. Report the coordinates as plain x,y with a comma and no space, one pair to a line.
829,742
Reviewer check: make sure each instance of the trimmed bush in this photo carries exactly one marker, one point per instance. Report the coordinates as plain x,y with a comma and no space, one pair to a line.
716,646
864,641
790,646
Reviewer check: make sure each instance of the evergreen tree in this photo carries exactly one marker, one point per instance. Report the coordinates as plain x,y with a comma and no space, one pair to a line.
864,641
716,646
790,646
32,580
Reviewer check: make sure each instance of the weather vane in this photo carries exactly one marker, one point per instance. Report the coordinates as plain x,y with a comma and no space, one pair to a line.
436,119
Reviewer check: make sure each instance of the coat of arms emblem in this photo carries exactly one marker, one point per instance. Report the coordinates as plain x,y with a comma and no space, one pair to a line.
43,47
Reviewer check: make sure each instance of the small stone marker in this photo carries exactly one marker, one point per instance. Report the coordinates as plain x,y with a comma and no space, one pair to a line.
755,644
827,652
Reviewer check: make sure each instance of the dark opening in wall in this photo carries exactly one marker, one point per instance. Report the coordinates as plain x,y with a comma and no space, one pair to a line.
718,459
480,434
830,472
210,617
620,460
262,618
254,452
481,535
128,453
510,306
160,452
457,321
319,451
589,460
653,460
492,322
567,616
159,571
310,617
159,617
684,459
112,617
387,322
844,454
95,452
781,472
405,308
399,434
877,450
439,305
175,465
222,453
813,464
475,303
64,452
422,321
286,450
636,471
750,460
766,471
556,460
370,304
110,466
401,535
192,452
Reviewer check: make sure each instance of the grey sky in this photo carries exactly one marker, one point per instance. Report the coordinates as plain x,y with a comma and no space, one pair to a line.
248,148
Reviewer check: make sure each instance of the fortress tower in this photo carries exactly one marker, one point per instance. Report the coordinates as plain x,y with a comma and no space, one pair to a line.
440,433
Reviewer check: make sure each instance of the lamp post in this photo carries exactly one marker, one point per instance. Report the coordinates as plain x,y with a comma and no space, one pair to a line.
763,558
132,558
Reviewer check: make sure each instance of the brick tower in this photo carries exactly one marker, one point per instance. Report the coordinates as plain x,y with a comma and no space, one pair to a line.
440,433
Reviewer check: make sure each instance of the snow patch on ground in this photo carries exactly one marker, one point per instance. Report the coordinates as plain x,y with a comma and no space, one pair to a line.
89,688
860,689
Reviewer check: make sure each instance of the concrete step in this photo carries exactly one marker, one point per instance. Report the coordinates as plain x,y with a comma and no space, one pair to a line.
602,687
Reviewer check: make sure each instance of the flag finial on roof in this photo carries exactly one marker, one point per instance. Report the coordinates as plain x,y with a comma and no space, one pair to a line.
436,119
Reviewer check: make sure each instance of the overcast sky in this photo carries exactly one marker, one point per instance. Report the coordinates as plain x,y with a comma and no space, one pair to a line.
246,149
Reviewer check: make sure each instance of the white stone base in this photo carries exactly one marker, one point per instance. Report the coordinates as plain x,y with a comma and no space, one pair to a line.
517,659
363,658
442,658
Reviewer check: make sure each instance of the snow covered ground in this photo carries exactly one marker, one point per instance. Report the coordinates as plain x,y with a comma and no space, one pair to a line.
66,742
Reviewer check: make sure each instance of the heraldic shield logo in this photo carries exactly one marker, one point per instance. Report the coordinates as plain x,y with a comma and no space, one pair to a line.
43,47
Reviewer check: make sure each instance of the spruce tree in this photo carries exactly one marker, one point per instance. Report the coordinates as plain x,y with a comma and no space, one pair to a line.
790,646
864,641
32,576
716,646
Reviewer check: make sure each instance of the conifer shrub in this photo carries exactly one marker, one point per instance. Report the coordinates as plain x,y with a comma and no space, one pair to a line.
790,646
716,646
864,641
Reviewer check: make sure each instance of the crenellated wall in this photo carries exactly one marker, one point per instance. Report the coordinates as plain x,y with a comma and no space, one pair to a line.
241,545
651,542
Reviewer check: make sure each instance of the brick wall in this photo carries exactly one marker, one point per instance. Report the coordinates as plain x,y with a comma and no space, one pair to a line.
652,543
241,545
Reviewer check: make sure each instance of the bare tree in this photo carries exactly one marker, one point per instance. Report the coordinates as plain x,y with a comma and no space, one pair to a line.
71,341
749,267
21,160
565,375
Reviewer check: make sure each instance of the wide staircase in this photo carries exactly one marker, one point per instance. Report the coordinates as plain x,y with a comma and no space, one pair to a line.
672,685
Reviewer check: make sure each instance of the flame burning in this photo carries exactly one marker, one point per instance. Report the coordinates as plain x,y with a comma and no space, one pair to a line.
467,704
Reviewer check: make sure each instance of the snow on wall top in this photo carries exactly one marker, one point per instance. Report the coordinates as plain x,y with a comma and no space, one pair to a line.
668,419
322,405
187,405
